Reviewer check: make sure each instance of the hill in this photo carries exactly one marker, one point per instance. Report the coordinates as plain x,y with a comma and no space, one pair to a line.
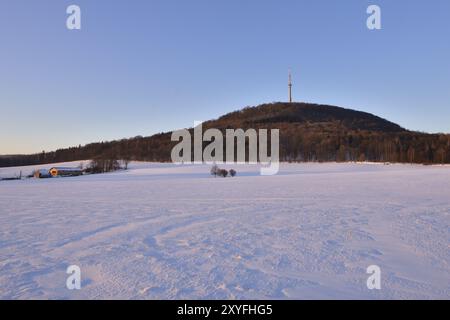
308,132
302,113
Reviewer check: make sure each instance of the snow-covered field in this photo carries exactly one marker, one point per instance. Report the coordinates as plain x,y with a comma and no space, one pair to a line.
159,231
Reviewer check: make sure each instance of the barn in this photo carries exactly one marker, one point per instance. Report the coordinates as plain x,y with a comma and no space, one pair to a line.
65,172
42,173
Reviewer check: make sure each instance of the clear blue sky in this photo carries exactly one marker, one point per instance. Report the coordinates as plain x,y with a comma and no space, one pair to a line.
144,66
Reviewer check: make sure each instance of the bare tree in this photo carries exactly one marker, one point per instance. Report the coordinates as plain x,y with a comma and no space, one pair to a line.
125,163
223,173
215,170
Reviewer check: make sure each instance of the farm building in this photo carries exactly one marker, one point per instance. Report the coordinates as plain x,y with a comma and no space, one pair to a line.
65,172
42,173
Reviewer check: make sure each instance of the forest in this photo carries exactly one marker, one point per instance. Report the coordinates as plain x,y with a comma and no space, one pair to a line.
308,132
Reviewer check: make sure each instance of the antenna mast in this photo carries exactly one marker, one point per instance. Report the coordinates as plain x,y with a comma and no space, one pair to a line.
290,87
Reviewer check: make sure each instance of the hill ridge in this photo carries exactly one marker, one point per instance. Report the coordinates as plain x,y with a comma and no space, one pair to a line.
308,132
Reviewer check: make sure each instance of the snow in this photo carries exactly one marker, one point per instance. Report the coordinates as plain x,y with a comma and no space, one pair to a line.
42,171
66,168
161,231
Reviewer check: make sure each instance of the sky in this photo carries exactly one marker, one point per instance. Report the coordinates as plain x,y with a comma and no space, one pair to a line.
146,66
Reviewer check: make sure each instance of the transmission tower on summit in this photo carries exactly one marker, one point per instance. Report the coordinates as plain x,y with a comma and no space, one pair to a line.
290,87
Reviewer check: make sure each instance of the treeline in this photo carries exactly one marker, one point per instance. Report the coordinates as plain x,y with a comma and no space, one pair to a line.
139,148
341,146
307,133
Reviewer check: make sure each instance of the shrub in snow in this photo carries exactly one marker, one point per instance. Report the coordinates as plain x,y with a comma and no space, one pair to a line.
223,173
215,170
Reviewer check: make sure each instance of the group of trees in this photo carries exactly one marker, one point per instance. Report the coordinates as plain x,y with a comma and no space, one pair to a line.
307,133
216,171
328,143
103,166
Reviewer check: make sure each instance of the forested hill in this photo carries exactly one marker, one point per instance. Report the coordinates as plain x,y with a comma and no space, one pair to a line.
302,114
308,132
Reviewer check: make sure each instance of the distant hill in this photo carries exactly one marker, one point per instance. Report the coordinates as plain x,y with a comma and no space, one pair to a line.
308,132
302,113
